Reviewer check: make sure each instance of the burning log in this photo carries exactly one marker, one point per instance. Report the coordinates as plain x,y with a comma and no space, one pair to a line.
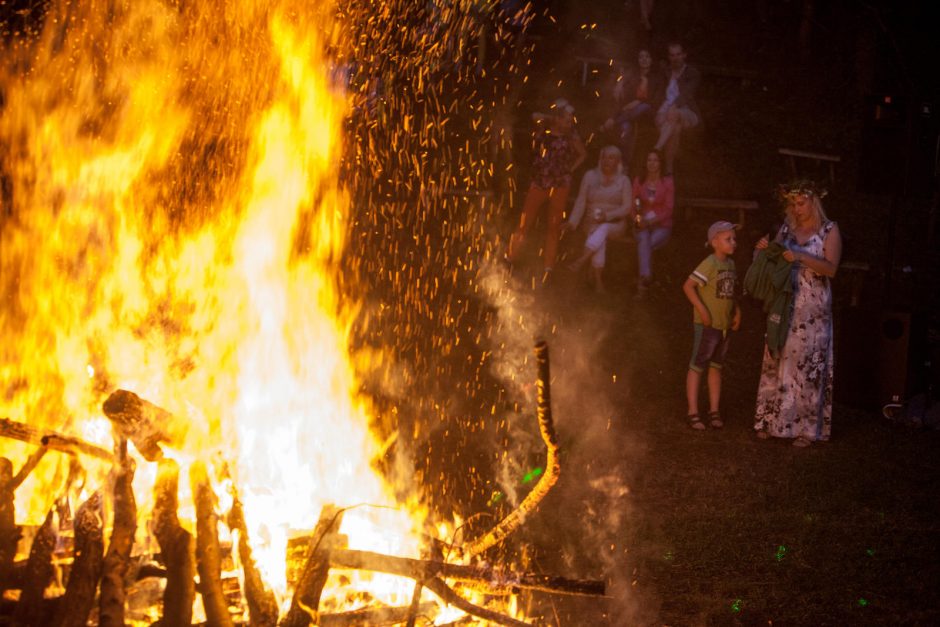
443,591
39,573
141,422
262,605
307,594
373,616
176,546
79,595
117,561
208,553
553,468
496,582
51,440
9,531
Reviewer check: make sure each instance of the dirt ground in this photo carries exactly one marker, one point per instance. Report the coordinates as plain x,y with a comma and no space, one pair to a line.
717,527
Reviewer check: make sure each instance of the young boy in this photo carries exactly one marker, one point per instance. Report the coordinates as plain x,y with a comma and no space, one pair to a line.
710,289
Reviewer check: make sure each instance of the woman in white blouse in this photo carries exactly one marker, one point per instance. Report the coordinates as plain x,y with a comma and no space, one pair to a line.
603,203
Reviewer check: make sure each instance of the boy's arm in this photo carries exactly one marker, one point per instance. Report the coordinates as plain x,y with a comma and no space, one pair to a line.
690,287
736,319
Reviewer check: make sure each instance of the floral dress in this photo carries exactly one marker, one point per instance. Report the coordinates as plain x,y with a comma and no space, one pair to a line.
794,397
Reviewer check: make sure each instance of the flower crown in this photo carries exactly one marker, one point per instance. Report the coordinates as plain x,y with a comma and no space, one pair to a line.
801,187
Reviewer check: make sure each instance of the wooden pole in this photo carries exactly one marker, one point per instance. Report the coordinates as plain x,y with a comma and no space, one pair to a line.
262,604
306,599
494,582
177,548
208,553
117,559
39,573
79,597
552,466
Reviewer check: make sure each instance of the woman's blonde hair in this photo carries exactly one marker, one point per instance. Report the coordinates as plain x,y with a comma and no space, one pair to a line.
612,150
818,210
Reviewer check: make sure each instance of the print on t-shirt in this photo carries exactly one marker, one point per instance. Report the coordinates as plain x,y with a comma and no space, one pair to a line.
724,285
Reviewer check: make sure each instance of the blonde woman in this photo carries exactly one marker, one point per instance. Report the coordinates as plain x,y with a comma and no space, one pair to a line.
603,204
794,397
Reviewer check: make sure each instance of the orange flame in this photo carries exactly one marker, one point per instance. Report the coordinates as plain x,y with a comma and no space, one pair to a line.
176,220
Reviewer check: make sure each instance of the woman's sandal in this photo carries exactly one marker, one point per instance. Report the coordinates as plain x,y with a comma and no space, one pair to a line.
695,421
762,435
714,420
801,442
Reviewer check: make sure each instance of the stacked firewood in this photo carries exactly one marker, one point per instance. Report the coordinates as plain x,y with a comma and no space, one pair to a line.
97,582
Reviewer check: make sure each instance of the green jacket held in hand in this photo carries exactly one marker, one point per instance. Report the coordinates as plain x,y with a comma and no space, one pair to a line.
768,280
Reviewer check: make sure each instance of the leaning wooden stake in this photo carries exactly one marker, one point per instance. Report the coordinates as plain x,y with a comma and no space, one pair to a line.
262,604
488,580
208,553
552,466
117,562
306,599
79,597
9,531
177,548
39,573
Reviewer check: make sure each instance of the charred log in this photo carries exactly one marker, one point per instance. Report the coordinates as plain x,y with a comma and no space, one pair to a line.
51,440
316,568
117,562
262,605
177,548
79,597
495,582
443,591
208,553
141,422
39,574
367,617
552,466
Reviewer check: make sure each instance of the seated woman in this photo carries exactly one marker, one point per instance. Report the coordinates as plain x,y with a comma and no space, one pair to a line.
654,197
604,202
631,102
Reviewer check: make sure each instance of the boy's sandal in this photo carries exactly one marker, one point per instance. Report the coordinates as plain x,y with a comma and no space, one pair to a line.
695,421
801,442
762,434
714,420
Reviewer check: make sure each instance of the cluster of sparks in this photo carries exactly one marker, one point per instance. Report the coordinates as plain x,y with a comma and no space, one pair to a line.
246,214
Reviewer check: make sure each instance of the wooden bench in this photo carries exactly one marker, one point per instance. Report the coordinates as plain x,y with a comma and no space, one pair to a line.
739,205
793,154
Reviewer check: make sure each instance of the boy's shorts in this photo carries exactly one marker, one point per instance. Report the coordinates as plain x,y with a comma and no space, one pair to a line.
709,348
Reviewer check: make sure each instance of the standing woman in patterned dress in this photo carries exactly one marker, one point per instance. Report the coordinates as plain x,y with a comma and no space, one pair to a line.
558,153
794,397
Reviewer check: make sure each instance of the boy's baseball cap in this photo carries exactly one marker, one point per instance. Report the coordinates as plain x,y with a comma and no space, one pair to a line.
720,227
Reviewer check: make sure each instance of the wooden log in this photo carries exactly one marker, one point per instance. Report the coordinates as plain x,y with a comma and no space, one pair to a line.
39,574
443,591
262,604
177,548
50,439
552,466
79,597
117,560
306,600
495,582
208,553
369,617
10,533
140,421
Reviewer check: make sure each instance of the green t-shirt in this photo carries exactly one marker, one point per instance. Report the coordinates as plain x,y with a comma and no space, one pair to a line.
716,280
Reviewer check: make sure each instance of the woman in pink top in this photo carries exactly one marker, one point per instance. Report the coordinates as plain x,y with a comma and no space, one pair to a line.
653,199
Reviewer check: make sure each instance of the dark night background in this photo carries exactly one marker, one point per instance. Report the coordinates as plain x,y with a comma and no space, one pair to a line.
681,528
